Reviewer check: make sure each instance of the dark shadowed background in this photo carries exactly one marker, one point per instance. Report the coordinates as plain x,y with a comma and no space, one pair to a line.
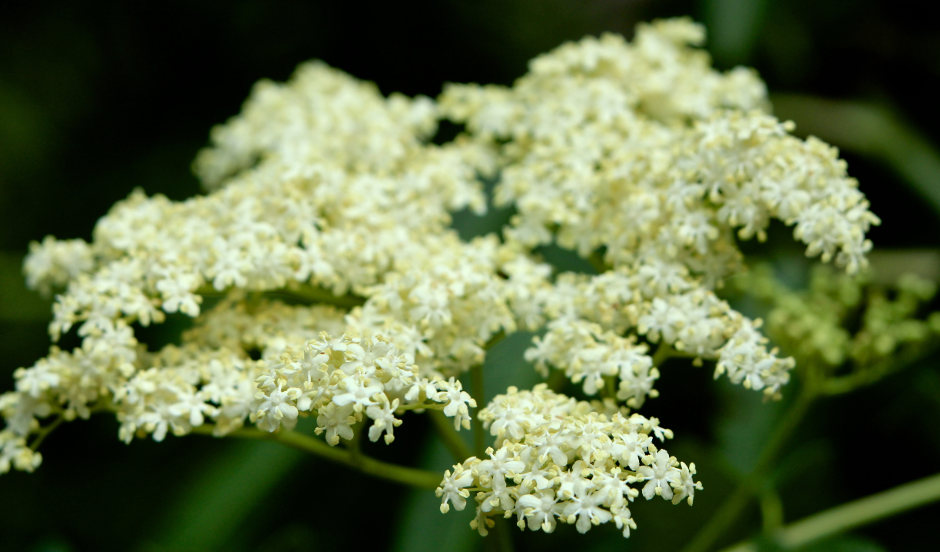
98,98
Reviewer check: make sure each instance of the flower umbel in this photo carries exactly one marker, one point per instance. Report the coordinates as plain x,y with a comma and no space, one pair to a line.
566,461
325,281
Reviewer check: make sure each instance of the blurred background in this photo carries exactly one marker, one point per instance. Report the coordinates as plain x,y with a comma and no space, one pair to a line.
98,98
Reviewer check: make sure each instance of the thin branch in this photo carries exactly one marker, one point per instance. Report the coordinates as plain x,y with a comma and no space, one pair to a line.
318,295
853,514
732,507
663,352
452,440
365,464
479,394
44,432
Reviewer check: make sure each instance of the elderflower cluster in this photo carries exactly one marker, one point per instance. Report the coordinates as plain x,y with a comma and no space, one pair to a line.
643,151
321,277
290,226
343,379
562,460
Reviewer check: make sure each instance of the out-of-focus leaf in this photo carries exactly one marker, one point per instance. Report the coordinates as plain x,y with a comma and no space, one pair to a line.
506,366
733,28
292,538
887,266
800,459
743,426
421,526
221,495
928,384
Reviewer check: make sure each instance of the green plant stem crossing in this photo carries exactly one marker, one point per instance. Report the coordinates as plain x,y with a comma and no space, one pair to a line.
365,464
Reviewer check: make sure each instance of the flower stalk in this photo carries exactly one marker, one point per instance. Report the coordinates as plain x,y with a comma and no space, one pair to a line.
852,515
368,465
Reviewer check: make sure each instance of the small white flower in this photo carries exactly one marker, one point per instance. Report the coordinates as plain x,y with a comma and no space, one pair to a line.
458,402
660,474
452,488
384,420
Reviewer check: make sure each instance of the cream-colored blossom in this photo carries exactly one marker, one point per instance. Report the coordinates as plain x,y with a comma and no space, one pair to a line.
558,460
53,263
324,280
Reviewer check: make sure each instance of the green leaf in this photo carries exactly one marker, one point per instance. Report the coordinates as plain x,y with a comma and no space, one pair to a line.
221,495
733,28
421,525
742,426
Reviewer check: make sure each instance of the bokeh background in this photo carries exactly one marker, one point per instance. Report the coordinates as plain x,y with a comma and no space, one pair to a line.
98,98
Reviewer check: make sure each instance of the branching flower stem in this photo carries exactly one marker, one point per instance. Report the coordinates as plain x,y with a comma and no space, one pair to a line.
45,431
853,514
365,464
317,295
731,509
662,354
500,537
479,394
478,390
452,440
557,380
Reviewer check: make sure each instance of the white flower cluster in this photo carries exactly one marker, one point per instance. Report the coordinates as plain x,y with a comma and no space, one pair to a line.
54,263
588,353
456,297
646,153
292,224
588,317
14,453
325,280
322,117
346,378
561,460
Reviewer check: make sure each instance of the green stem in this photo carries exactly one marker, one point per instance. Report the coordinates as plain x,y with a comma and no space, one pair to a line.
365,464
322,296
901,359
44,432
771,510
597,262
419,406
662,354
452,440
610,387
500,537
493,340
840,385
557,380
854,514
731,509
354,445
479,394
